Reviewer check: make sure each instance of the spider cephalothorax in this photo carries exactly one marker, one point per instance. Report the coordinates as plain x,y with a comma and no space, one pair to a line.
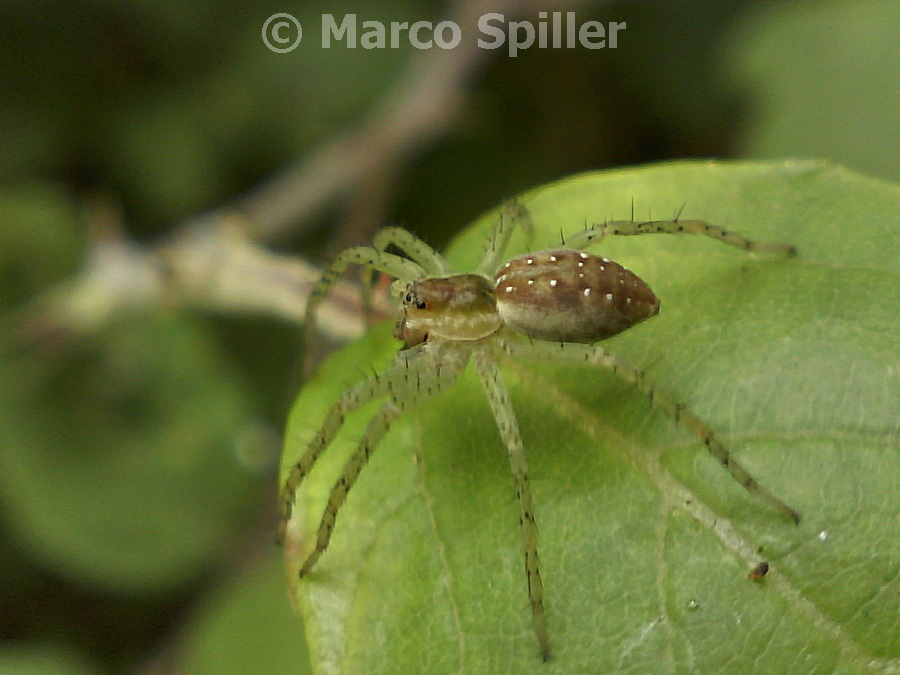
550,305
462,307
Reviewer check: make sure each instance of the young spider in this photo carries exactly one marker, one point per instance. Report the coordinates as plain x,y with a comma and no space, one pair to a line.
550,305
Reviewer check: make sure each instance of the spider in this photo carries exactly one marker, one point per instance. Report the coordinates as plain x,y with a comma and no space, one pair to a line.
551,305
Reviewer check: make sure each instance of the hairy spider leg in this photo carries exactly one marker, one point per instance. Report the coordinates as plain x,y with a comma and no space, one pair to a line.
512,214
432,262
375,431
352,399
598,231
415,375
501,407
364,256
598,356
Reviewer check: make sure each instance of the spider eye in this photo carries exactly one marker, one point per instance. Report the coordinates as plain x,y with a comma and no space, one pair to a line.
413,299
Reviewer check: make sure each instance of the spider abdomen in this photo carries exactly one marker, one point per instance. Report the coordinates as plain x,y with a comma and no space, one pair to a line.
571,296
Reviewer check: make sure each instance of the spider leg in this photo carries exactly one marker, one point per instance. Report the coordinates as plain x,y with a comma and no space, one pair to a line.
376,430
501,407
598,356
434,264
511,214
364,256
598,231
415,375
352,399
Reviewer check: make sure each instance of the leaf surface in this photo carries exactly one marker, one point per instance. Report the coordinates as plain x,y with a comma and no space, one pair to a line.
646,542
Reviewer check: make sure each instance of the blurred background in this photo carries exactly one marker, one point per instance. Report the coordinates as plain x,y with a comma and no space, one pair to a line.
162,171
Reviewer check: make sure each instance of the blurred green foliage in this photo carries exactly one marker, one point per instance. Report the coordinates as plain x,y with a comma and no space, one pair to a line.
822,82
138,462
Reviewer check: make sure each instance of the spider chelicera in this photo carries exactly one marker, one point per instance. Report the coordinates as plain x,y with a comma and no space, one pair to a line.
550,305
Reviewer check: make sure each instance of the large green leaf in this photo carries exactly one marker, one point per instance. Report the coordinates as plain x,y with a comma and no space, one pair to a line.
114,465
114,469
810,72
645,541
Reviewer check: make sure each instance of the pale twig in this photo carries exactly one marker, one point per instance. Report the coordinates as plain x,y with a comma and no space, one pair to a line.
213,262
421,107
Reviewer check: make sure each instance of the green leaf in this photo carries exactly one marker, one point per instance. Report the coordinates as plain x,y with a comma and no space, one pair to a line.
43,659
245,626
114,462
115,470
811,72
646,542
